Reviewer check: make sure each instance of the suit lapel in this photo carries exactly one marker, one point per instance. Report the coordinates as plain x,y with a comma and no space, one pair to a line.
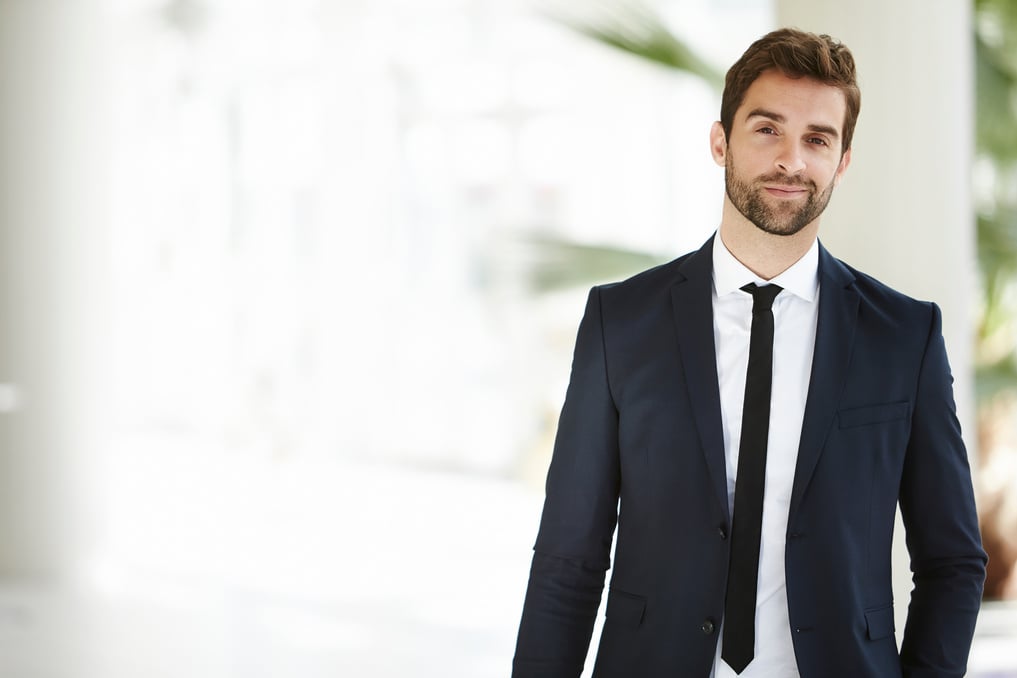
692,302
838,316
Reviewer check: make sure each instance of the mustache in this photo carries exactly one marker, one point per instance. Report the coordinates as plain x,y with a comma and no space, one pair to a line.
785,180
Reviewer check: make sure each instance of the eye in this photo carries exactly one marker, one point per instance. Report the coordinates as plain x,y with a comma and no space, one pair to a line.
766,130
818,141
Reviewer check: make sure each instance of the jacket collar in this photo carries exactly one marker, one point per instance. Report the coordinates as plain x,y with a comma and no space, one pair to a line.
692,306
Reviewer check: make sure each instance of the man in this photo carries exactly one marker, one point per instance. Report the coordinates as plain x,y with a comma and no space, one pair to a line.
750,415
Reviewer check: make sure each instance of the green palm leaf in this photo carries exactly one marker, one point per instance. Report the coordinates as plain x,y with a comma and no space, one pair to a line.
635,29
553,263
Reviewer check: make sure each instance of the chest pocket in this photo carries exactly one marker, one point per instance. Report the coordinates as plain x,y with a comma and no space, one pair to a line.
873,414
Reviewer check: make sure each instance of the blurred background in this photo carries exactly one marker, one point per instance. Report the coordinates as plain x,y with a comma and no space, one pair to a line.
289,292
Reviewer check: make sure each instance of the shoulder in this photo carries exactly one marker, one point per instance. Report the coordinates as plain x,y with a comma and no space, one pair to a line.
877,300
642,297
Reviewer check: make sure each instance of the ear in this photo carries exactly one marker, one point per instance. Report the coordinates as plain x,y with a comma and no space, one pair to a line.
718,143
845,160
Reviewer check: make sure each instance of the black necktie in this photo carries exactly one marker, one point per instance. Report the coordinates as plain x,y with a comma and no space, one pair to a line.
746,527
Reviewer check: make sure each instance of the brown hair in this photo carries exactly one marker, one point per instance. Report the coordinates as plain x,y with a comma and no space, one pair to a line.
796,54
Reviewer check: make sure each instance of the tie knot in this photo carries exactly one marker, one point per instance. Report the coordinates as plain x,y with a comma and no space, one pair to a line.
762,297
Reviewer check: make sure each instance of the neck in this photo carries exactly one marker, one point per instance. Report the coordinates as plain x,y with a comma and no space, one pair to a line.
765,254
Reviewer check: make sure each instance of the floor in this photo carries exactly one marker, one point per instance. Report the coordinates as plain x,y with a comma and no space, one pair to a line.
313,569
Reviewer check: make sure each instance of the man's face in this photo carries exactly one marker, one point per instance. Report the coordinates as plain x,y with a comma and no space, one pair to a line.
784,155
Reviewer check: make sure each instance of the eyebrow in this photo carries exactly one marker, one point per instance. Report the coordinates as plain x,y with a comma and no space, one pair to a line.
777,117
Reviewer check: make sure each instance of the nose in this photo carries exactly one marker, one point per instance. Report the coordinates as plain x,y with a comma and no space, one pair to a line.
790,160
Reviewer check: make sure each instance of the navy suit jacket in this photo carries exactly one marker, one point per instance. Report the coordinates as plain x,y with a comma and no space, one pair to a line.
640,446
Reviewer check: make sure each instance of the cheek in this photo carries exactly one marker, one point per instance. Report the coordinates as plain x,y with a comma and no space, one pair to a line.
828,174
835,179
841,167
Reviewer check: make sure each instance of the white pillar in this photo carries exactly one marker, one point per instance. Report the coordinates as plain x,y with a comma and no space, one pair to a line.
904,210
53,268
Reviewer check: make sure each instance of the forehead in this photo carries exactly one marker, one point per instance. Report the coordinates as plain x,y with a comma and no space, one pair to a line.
799,100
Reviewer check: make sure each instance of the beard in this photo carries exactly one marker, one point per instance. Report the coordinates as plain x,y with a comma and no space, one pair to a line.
784,217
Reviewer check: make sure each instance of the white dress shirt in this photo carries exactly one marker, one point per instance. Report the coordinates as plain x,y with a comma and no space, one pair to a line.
795,313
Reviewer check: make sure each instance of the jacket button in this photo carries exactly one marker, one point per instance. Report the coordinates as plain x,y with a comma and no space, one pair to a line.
707,626
722,531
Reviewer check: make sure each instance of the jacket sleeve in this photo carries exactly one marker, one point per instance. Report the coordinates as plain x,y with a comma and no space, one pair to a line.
938,507
572,552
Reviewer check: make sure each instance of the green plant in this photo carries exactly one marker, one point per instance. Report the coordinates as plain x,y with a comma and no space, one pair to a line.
995,40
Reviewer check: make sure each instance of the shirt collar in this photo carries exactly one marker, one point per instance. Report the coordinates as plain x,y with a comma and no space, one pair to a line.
801,279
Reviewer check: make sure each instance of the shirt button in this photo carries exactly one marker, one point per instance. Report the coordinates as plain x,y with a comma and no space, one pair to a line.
707,626
722,531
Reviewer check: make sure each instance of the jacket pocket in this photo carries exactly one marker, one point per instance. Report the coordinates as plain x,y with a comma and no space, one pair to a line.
625,608
872,414
879,622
